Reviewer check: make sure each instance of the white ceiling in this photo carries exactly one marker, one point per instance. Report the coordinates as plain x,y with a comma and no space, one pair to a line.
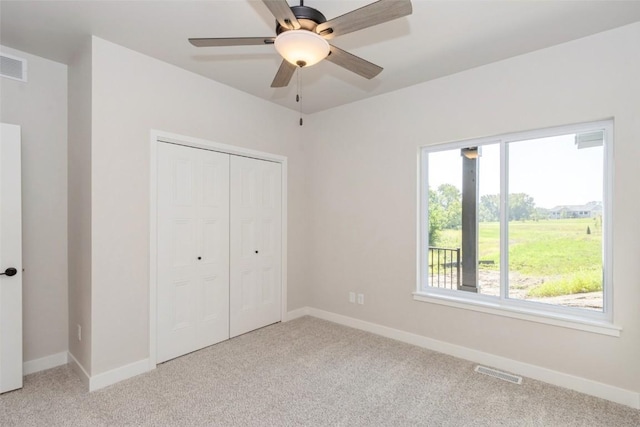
438,39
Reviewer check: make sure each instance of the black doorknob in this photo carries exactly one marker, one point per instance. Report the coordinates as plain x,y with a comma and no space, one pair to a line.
256,251
9,272
199,257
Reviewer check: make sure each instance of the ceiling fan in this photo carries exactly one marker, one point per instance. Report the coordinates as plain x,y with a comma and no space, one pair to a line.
302,33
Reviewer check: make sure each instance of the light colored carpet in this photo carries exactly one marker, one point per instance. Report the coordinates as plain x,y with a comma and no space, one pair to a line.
307,372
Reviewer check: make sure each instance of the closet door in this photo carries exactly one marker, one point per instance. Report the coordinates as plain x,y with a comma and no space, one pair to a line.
193,250
256,215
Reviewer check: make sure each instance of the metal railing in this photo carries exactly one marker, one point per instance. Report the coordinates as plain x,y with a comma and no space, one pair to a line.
444,267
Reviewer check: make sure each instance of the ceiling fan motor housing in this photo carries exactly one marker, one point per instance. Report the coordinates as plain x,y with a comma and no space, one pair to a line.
308,17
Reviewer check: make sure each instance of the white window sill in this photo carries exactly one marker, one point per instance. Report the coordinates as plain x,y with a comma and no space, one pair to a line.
516,312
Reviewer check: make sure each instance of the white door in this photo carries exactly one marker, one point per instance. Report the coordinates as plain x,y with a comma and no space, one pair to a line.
193,250
256,243
10,258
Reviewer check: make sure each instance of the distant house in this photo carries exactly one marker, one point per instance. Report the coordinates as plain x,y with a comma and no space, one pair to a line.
590,210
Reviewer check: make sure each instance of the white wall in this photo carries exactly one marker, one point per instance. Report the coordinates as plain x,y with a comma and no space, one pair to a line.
363,197
352,194
39,106
79,219
133,94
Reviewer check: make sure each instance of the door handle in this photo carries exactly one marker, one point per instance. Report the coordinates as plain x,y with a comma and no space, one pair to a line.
9,272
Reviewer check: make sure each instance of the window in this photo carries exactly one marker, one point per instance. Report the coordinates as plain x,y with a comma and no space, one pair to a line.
520,221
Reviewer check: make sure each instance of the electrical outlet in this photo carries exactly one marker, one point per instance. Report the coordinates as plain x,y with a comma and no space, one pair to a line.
361,299
352,297
79,332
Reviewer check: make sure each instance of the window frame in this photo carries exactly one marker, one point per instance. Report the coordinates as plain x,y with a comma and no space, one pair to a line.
578,318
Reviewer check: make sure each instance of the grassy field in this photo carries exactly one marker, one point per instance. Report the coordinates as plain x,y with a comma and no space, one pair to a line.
560,251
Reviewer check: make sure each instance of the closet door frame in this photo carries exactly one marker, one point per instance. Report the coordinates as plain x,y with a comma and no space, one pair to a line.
158,137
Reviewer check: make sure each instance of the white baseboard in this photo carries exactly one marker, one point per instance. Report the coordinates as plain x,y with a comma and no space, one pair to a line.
582,385
47,362
294,314
79,370
119,374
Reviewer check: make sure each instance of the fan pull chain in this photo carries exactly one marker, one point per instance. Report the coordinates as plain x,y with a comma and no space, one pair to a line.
298,97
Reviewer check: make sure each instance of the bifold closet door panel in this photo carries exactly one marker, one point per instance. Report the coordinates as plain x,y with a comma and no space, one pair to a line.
256,244
193,249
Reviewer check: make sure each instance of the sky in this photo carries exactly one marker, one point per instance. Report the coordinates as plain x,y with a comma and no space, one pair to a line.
551,170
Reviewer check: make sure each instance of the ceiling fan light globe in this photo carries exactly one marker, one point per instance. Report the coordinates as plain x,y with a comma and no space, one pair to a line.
301,47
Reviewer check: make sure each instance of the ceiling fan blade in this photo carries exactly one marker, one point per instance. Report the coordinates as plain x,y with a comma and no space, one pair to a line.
367,16
284,74
353,63
281,10
233,41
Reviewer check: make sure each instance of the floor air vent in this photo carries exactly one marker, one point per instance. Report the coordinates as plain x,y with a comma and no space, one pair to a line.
13,67
498,374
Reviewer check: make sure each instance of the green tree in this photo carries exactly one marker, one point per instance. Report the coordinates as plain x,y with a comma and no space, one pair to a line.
541,213
521,206
436,218
450,200
490,208
445,211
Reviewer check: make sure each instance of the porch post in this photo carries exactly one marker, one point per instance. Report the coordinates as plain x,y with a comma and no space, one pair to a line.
469,219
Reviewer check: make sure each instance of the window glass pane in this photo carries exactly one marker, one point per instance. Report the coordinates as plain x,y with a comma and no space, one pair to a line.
443,257
555,221
464,234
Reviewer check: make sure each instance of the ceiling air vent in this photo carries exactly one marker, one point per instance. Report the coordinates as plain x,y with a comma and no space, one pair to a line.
13,67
